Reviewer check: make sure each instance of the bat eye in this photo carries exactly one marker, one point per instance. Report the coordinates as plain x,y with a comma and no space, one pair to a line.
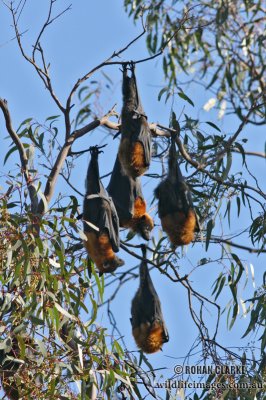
120,262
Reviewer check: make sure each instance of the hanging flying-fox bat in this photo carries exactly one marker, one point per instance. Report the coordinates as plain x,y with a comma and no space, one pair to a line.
101,225
135,145
129,202
175,205
148,326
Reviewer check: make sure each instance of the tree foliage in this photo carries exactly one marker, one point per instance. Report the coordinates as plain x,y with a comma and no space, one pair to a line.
221,47
53,345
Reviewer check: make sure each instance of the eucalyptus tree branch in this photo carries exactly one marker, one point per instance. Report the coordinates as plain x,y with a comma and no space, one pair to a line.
218,156
233,138
104,121
158,130
44,75
90,73
163,131
237,245
251,153
63,153
22,154
156,265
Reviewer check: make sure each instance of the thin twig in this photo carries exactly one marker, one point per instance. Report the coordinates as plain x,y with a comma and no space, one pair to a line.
48,21
42,73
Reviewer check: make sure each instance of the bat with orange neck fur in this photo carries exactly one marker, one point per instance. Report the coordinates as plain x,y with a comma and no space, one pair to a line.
175,207
129,202
100,221
148,326
135,146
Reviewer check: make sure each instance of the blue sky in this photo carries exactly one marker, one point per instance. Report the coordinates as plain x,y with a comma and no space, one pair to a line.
79,40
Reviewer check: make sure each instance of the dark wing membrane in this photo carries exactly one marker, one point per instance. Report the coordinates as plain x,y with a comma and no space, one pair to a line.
92,205
174,173
142,134
113,226
92,211
93,184
146,300
98,208
121,189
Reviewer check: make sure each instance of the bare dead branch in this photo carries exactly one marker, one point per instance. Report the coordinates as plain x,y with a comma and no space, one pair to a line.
21,9
48,21
44,75
14,38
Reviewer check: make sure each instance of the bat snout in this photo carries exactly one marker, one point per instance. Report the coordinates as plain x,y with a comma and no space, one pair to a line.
145,226
145,234
120,262
111,265
165,336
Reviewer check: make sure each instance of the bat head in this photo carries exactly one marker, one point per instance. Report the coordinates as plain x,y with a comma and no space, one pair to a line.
158,326
113,263
145,226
